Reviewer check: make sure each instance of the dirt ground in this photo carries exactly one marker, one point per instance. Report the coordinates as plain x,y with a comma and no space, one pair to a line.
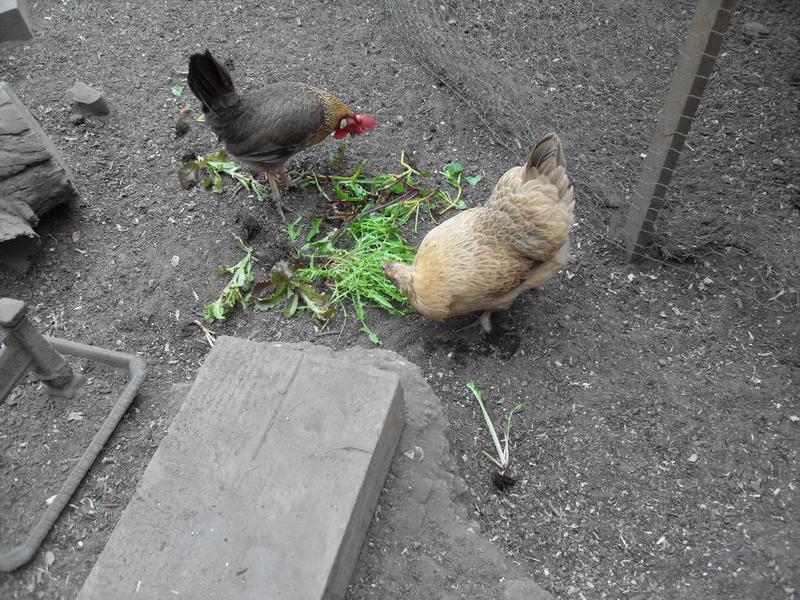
657,455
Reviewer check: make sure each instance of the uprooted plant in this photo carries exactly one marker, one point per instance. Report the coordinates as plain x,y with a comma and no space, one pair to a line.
285,285
208,171
501,478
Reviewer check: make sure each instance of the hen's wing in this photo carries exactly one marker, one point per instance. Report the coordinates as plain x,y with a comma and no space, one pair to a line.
273,124
531,207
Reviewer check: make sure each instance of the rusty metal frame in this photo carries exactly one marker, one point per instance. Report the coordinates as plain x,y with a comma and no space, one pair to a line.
26,348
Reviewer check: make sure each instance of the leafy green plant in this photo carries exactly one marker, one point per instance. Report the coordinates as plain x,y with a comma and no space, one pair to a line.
400,195
237,291
208,171
354,273
503,459
348,261
285,285
288,286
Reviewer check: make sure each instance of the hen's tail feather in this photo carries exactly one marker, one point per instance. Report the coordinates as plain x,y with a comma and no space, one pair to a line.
547,160
211,82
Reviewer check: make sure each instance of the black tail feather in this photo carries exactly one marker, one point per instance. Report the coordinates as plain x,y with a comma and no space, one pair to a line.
210,82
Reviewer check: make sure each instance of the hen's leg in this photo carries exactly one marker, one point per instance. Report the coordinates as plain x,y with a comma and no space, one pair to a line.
276,195
486,322
276,192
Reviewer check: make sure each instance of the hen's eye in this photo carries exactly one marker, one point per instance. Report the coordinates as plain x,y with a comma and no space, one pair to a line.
342,123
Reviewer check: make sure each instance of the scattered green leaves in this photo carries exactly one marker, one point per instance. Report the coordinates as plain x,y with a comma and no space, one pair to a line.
208,171
285,286
237,291
348,262
353,272
294,229
503,460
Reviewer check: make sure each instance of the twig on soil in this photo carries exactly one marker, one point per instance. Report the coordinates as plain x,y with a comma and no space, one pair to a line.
211,336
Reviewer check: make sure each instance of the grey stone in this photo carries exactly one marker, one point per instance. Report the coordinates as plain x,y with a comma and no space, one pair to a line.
14,22
754,29
88,100
264,485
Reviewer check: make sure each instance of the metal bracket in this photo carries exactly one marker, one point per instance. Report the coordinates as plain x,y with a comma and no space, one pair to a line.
25,348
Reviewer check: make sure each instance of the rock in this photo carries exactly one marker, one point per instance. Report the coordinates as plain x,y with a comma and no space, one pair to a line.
88,100
14,21
778,162
754,29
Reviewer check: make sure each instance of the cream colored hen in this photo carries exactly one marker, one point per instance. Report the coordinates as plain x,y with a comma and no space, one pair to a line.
484,257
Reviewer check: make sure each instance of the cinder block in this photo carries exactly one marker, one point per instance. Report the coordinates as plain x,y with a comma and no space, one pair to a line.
264,485
14,23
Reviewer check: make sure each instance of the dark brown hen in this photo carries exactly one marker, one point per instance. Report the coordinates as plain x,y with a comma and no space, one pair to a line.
266,127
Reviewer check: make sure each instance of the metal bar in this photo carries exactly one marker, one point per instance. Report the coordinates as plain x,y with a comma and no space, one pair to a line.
12,315
695,64
22,337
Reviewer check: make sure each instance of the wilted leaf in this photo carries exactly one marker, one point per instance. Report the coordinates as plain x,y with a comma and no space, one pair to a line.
271,301
294,229
291,308
317,302
263,289
280,273
75,416
218,183
201,118
316,225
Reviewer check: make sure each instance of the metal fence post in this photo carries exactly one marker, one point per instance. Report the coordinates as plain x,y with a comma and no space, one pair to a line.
695,64
25,347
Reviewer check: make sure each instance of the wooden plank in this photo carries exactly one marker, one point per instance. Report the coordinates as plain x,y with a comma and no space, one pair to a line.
264,485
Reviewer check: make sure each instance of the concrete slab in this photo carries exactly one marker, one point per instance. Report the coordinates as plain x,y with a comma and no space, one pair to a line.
14,21
264,485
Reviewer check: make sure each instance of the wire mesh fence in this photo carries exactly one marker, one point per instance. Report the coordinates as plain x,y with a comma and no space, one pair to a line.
598,73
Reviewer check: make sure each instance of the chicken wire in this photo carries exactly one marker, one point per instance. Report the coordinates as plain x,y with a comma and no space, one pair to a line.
596,73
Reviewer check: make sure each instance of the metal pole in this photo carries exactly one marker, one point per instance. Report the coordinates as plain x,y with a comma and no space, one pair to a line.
695,64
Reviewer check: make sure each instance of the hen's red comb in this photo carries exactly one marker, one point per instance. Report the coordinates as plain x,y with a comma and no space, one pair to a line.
366,122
